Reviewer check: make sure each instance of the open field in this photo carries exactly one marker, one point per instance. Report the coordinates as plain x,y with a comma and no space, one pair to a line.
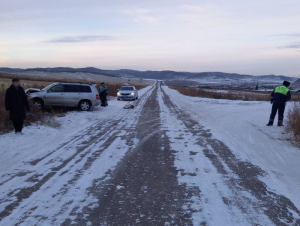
74,77
229,94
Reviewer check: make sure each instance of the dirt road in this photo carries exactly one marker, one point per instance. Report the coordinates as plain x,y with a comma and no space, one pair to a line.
152,165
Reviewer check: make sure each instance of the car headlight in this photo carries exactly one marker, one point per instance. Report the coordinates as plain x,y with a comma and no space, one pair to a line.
132,94
119,94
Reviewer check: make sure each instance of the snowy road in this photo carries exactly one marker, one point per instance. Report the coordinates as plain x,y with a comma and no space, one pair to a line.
172,160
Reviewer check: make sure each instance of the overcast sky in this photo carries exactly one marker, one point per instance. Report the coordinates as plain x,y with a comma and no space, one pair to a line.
250,37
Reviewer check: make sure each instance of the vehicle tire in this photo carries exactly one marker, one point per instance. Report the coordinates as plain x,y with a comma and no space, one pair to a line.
118,99
38,104
84,105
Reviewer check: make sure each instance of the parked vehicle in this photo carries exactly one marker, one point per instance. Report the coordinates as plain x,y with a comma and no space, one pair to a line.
80,95
127,93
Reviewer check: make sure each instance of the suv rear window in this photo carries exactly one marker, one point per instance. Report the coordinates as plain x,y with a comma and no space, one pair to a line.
77,89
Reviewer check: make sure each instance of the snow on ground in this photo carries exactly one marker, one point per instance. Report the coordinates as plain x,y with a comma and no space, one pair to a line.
70,125
44,152
195,170
242,127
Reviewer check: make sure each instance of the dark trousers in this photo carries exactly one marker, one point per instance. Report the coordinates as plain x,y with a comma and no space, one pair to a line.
18,125
280,107
103,99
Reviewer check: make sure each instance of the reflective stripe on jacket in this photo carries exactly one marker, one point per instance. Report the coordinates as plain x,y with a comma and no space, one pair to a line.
281,94
282,89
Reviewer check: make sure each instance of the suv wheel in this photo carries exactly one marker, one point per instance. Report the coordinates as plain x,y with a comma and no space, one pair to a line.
38,104
84,105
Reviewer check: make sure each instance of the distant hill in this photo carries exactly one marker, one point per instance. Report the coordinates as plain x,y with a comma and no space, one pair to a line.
296,85
160,75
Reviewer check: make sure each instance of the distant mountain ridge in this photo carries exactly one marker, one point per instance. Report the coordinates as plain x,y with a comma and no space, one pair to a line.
296,84
161,75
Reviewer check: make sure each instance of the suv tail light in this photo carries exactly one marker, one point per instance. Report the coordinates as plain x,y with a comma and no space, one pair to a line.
97,97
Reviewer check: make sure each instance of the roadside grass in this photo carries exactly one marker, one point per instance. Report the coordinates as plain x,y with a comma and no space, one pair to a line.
229,94
6,125
38,82
33,116
6,77
293,122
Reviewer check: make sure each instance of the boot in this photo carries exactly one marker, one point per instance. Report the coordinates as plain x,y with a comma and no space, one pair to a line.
280,124
270,123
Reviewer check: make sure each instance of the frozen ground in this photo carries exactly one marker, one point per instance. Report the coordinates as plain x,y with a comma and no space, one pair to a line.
172,160
242,127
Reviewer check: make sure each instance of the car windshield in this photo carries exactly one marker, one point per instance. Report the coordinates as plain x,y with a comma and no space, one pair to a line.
127,88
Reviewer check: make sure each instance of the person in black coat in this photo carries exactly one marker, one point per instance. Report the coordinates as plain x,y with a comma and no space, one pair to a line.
17,104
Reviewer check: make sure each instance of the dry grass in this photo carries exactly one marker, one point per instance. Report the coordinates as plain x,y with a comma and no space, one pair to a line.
6,125
197,92
293,122
229,94
59,77
34,115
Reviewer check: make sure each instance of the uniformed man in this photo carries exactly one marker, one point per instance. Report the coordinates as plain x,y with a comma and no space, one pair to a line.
103,94
279,97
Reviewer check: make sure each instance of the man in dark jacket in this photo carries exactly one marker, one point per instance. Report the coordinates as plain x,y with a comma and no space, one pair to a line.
17,104
279,97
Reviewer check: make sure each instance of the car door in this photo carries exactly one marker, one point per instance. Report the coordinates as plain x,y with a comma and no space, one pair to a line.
55,95
73,94
135,93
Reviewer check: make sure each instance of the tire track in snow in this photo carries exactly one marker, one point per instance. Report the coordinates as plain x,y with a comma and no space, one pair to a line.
143,189
250,193
85,151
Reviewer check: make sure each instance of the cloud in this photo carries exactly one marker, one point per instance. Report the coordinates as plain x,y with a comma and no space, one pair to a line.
205,14
140,15
75,39
295,45
292,35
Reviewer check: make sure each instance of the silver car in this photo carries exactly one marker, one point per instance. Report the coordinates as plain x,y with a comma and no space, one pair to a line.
127,93
80,95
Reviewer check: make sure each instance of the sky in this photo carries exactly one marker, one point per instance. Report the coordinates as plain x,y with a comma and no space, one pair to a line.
250,37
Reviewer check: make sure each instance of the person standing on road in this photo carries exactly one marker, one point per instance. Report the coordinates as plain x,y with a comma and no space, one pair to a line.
279,97
17,104
103,94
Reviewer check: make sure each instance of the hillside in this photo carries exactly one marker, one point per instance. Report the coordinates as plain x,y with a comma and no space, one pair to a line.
296,84
159,75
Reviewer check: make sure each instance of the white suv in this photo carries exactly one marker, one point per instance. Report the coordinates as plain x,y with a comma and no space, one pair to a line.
80,95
